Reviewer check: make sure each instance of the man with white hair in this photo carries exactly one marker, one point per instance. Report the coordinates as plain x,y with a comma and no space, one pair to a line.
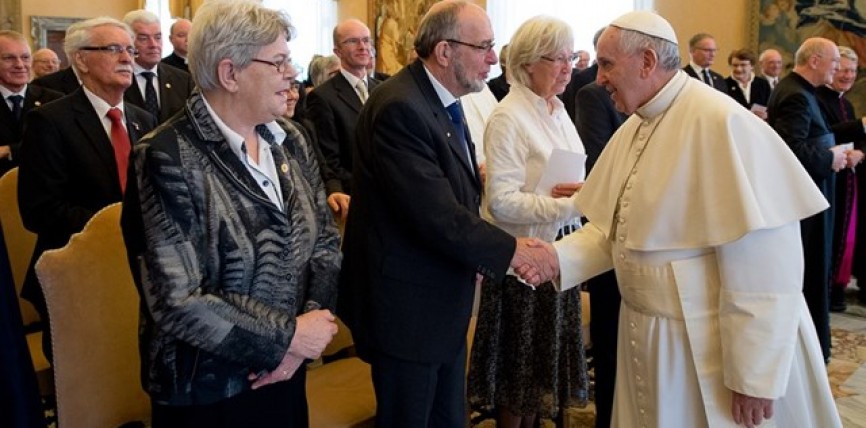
158,88
45,61
771,66
178,36
685,205
75,150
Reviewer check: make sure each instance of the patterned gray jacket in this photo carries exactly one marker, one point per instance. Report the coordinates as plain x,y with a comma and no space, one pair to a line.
222,271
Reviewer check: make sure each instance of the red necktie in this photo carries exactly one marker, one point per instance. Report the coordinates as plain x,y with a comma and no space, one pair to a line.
121,145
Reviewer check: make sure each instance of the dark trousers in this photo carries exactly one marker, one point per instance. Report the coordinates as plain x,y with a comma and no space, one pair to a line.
604,300
817,235
281,404
419,395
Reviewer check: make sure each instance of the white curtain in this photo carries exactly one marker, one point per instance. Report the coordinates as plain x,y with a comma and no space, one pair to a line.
585,17
314,22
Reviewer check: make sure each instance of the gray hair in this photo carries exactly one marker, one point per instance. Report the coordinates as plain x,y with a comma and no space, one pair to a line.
234,30
80,34
140,16
811,46
538,36
633,42
439,25
846,52
319,68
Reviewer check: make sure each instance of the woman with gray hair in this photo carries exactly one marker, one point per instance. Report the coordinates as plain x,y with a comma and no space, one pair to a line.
227,226
527,358
323,68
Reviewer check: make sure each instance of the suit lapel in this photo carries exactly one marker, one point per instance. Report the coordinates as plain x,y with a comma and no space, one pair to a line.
347,93
94,132
441,115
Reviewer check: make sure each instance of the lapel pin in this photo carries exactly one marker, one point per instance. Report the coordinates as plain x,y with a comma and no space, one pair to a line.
37,103
284,168
135,125
168,86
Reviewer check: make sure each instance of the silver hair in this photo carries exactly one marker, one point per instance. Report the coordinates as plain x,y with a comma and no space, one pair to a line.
634,42
536,37
442,24
319,68
846,52
80,34
140,16
235,30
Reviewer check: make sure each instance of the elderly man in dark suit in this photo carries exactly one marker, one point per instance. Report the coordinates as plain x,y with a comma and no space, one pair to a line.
178,37
333,108
156,87
794,112
702,53
18,96
75,150
415,245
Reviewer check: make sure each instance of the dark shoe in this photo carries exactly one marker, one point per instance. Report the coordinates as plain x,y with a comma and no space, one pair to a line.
837,299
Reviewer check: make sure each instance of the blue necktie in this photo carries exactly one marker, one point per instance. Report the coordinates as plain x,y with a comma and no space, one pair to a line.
455,111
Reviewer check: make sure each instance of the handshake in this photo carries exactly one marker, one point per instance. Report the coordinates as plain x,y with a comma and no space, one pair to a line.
535,261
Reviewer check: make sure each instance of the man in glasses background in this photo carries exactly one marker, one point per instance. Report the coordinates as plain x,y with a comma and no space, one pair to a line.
333,108
75,150
157,87
702,53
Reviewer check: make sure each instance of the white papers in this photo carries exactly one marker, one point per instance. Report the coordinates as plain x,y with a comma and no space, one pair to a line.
847,146
563,166
757,108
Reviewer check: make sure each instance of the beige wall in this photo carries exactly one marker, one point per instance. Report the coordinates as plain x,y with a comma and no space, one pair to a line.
727,22
73,8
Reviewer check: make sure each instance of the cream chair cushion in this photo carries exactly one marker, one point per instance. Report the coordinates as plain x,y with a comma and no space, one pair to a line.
94,311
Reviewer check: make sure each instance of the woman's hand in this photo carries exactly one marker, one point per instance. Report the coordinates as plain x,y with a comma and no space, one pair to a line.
565,190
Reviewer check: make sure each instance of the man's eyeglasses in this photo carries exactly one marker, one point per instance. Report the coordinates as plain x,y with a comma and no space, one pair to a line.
486,47
561,59
281,66
357,41
112,49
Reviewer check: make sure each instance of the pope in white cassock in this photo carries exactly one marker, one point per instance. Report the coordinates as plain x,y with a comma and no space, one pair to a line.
695,203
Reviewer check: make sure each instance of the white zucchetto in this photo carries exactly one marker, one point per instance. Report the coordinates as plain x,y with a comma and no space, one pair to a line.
647,23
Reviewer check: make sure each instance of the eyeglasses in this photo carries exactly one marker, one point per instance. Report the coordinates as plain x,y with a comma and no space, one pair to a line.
707,50
561,59
357,41
486,47
281,66
112,49
47,61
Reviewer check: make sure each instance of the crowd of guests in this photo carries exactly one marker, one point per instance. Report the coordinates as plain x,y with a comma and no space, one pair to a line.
719,226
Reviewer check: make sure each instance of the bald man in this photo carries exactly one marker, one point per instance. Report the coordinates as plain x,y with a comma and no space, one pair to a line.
771,66
45,61
178,39
333,107
795,114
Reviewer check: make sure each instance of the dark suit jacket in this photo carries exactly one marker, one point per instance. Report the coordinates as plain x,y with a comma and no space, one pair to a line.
333,108
174,88
846,127
579,79
718,80
176,61
414,240
499,86
597,120
67,173
63,81
10,129
759,92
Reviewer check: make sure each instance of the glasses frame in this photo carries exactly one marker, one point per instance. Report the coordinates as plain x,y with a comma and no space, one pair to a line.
113,49
282,67
356,41
486,48
569,59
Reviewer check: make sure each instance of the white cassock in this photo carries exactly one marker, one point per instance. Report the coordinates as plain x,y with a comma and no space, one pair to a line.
696,203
